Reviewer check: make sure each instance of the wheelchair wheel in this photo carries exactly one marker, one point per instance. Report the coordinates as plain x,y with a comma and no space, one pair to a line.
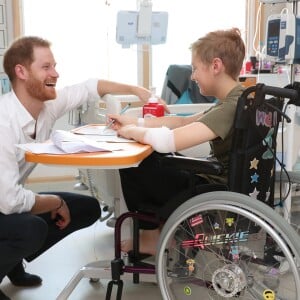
224,245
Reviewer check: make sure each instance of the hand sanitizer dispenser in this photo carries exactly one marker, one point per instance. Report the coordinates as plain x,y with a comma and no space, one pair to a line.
153,108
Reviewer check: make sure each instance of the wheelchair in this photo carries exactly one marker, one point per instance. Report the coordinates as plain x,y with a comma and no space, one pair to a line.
226,244
228,241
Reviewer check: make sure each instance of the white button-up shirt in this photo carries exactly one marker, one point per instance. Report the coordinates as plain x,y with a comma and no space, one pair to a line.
17,126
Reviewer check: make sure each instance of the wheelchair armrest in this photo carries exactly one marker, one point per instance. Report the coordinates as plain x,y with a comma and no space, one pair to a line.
194,165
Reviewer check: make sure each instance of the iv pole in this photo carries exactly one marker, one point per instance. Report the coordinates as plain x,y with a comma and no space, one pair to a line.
144,51
295,12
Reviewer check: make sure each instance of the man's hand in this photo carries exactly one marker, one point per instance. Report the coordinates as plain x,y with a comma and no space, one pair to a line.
163,102
145,94
61,216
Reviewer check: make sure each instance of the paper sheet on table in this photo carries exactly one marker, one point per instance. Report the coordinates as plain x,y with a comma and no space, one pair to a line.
40,148
63,142
94,129
100,134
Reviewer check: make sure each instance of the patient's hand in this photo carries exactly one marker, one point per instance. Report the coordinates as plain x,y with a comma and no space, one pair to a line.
121,120
132,132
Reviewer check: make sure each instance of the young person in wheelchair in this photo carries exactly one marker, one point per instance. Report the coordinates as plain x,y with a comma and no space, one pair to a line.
217,59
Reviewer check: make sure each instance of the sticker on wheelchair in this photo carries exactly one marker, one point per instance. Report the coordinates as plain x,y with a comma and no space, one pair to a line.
196,220
187,291
269,295
229,221
191,266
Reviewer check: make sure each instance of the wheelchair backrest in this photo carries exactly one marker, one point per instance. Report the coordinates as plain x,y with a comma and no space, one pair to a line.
253,155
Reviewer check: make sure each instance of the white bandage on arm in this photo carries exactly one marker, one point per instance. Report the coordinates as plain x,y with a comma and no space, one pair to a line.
161,139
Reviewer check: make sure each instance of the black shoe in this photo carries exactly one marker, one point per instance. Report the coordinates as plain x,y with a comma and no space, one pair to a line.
19,277
3,296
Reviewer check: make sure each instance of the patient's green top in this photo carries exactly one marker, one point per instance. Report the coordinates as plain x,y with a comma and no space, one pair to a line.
220,119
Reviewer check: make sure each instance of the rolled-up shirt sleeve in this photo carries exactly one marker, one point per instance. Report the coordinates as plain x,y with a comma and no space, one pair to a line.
71,97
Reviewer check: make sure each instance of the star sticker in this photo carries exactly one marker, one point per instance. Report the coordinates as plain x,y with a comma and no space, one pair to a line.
229,221
254,163
254,178
254,193
216,226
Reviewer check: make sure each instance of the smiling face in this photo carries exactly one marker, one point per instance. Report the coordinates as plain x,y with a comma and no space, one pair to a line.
42,76
202,75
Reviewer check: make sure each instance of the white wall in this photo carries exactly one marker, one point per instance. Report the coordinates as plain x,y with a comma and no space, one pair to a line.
83,39
83,34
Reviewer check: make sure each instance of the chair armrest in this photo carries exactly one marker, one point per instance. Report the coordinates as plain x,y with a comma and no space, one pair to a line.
194,165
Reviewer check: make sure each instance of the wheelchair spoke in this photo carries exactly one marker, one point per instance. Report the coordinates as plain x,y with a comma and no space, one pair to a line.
223,252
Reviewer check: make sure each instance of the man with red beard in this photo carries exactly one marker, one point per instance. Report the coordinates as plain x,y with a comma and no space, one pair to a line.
31,223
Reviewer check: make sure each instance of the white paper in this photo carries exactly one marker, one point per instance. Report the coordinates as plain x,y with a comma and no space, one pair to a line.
99,130
40,148
109,139
100,134
63,142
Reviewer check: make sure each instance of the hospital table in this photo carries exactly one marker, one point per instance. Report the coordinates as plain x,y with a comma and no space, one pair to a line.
131,155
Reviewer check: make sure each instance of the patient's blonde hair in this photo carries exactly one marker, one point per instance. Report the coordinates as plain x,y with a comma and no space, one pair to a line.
227,45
